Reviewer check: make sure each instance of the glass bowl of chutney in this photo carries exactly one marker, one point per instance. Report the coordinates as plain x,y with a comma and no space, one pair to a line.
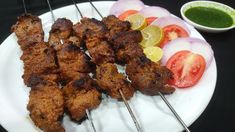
209,16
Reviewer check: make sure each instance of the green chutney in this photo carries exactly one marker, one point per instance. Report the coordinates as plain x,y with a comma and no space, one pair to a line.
210,17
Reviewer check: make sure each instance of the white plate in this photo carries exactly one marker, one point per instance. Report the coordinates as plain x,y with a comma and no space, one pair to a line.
110,116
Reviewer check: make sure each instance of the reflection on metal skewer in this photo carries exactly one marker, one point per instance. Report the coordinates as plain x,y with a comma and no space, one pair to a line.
53,16
95,9
25,10
87,111
174,112
161,95
130,111
90,119
79,11
120,91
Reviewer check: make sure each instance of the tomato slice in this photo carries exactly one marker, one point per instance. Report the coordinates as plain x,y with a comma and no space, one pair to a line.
187,68
150,19
126,14
172,32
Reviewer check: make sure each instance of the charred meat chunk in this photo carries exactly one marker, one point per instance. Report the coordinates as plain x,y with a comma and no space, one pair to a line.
39,59
60,31
81,94
149,77
129,52
28,30
100,51
46,107
115,25
121,39
89,27
39,80
111,81
71,58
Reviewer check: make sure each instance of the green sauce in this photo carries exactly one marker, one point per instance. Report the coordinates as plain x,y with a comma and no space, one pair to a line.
209,17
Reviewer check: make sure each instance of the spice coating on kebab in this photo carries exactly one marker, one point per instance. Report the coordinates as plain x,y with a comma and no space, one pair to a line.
39,53
71,58
126,46
46,107
61,30
33,80
100,51
38,60
111,81
46,102
81,94
91,25
28,30
149,77
115,26
93,32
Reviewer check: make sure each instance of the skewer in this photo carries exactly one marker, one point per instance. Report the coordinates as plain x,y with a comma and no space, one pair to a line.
25,10
79,11
96,9
90,120
161,95
53,16
87,111
174,112
130,111
120,91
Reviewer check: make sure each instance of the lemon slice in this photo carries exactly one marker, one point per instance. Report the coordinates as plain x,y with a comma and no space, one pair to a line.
137,21
152,36
153,53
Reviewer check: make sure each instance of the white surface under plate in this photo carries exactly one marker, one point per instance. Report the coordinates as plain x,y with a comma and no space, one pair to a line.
110,116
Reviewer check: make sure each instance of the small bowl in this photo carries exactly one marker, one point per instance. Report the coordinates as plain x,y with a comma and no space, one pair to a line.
211,4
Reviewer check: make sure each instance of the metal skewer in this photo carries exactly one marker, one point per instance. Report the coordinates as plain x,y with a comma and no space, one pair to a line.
53,16
96,9
120,91
79,11
130,111
25,10
161,95
87,111
90,120
174,112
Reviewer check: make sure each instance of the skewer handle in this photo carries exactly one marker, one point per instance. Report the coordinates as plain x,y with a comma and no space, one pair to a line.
174,112
130,111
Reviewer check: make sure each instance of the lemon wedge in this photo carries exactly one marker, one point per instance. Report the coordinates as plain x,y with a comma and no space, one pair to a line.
137,21
153,53
152,36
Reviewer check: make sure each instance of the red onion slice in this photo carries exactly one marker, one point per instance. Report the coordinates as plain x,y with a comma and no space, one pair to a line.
170,20
194,45
154,11
123,5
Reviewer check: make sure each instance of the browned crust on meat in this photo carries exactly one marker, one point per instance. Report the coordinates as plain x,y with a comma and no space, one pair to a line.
46,106
61,30
111,81
28,30
149,77
71,58
81,94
